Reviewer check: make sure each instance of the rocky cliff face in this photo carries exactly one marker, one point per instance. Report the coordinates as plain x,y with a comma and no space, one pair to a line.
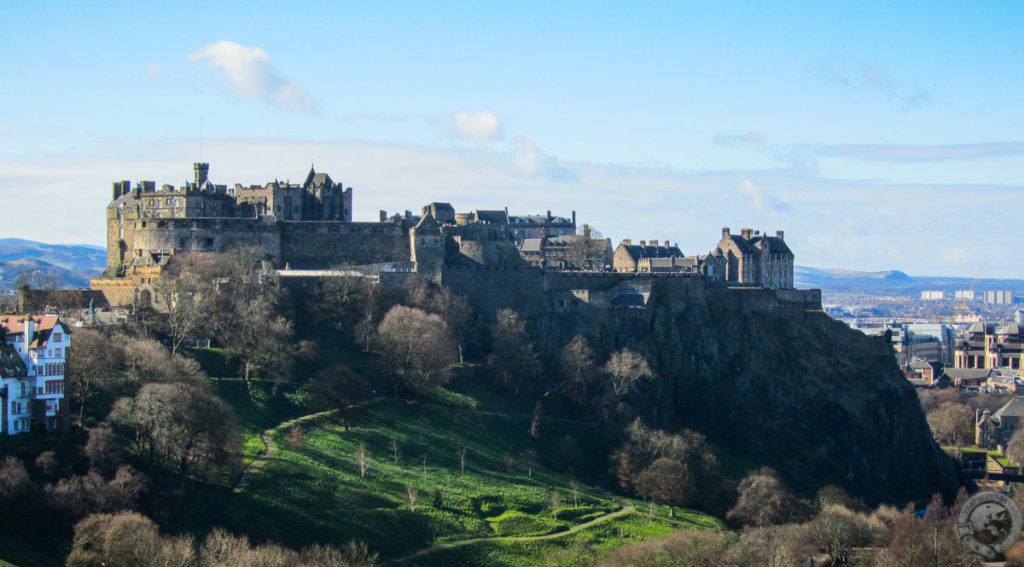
821,402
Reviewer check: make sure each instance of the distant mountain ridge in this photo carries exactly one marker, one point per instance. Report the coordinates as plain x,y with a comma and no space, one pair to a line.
61,265
891,281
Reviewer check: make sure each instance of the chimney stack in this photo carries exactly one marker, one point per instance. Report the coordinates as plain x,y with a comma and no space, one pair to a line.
627,241
29,331
725,231
780,234
654,243
746,233
643,243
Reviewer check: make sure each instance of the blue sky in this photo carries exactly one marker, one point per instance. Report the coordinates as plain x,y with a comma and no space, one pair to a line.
877,136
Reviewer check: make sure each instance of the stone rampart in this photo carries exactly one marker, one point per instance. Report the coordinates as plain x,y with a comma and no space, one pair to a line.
313,244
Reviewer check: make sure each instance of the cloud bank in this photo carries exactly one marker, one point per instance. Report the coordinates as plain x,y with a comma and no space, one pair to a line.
829,223
252,76
480,126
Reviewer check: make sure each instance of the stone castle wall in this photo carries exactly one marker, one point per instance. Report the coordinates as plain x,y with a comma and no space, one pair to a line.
309,244
302,244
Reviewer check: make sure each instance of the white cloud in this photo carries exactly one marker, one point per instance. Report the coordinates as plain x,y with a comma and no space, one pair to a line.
868,77
752,138
252,75
954,255
913,154
531,161
750,190
796,158
480,126
153,70
8,128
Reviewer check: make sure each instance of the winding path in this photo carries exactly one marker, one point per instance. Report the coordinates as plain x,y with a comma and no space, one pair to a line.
268,440
626,509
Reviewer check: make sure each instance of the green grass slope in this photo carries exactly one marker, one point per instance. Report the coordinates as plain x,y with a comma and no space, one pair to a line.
312,492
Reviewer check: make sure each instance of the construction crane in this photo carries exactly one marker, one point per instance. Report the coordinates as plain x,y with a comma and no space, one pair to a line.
970,293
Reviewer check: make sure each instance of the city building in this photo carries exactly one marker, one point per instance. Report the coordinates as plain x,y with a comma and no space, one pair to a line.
989,346
32,387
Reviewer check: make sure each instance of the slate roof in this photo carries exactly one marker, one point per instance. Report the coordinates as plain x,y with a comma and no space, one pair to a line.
647,251
10,363
776,244
530,245
493,217
627,299
538,219
742,243
967,373
1013,408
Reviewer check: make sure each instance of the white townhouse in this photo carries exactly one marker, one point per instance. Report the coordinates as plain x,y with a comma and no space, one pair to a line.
33,357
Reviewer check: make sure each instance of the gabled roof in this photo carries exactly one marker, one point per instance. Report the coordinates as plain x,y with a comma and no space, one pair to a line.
743,244
428,224
919,363
1013,408
530,245
43,325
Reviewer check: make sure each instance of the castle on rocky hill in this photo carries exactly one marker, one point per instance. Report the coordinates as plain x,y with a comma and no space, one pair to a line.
308,226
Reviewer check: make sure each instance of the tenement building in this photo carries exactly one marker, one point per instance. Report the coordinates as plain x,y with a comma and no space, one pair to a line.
33,355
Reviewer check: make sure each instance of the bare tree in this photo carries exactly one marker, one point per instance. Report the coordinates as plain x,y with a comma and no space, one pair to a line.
555,499
394,449
363,460
513,358
952,424
186,298
538,410
588,250
668,482
337,388
412,497
185,428
462,460
416,346
625,369
579,369
93,362
763,500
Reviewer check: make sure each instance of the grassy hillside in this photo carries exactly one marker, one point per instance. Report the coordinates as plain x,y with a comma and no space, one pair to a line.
510,492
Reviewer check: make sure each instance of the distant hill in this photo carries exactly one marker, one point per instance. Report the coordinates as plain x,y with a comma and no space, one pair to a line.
891,282
65,265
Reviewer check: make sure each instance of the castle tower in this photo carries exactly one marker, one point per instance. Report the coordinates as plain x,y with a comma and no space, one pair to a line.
427,245
202,172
